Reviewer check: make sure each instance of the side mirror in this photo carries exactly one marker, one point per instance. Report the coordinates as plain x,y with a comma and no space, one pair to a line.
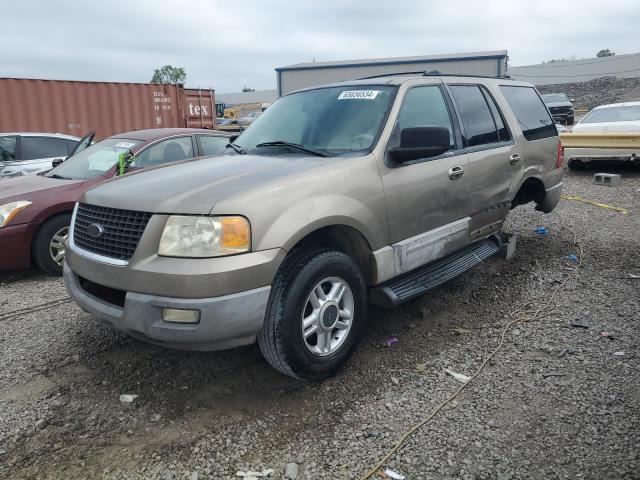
56,161
233,138
421,142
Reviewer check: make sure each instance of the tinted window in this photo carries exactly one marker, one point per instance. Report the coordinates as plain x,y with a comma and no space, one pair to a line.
503,131
532,114
43,147
213,145
424,106
171,150
479,128
7,148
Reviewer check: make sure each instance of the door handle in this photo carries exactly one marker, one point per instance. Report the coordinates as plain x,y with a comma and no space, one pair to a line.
514,158
455,173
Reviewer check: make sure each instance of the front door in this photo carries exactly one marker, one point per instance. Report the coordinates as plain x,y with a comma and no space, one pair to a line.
427,199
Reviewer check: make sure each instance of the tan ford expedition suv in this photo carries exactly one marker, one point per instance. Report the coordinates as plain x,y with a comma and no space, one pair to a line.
373,190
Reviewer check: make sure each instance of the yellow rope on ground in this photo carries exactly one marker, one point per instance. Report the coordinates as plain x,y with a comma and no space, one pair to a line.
578,198
526,313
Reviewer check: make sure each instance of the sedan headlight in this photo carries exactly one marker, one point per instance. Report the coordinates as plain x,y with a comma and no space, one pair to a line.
199,237
10,210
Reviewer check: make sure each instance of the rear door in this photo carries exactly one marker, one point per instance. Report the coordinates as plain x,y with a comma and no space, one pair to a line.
492,156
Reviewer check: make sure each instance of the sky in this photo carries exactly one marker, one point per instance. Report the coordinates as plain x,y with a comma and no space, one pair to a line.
232,44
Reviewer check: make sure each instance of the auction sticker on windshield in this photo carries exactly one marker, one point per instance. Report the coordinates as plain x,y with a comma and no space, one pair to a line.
359,95
124,145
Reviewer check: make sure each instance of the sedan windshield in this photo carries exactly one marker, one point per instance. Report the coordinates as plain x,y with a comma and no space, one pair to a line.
93,161
628,113
327,122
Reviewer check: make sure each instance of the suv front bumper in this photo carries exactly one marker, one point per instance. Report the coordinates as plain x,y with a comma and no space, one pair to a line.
225,322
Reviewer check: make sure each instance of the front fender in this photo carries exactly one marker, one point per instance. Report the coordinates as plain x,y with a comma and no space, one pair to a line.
309,215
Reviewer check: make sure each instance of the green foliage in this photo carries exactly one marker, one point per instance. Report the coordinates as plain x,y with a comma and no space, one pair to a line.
169,74
605,53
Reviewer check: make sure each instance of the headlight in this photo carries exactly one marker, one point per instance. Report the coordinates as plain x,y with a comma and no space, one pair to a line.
10,210
198,237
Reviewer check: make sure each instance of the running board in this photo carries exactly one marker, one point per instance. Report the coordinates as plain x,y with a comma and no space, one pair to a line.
415,283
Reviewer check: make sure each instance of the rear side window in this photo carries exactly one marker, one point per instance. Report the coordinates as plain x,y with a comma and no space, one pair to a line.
7,148
477,121
212,145
503,131
424,106
532,114
33,148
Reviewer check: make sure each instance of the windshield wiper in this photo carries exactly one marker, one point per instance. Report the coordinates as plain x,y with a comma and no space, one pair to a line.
281,143
237,148
59,177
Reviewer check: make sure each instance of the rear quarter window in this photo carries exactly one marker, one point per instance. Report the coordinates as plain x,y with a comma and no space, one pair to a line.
532,114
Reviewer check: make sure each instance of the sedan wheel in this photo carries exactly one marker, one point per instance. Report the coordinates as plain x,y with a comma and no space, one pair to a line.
57,245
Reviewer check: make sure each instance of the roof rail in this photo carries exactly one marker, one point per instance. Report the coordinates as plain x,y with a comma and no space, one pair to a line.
432,73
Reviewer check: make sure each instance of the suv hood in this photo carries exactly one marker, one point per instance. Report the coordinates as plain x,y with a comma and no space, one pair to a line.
195,187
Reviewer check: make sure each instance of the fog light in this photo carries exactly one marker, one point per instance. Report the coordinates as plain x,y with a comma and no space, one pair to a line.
176,315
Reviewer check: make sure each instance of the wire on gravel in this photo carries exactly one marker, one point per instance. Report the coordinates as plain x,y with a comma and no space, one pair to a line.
528,312
33,308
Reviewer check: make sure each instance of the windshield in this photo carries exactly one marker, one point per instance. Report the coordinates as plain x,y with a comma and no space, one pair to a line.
334,121
629,113
95,160
555,97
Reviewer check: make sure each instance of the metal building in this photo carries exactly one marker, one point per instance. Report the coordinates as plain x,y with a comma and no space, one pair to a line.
303,75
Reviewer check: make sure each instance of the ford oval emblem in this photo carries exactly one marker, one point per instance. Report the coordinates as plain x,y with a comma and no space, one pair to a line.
95,230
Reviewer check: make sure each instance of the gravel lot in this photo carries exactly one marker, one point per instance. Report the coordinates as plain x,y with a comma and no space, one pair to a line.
557,401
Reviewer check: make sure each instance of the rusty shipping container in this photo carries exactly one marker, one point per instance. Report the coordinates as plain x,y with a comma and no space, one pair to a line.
76,107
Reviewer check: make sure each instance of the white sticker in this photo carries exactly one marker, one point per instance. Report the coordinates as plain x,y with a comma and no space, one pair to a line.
124,145
358,95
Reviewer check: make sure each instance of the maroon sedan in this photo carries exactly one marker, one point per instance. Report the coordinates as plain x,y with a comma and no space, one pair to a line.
35,210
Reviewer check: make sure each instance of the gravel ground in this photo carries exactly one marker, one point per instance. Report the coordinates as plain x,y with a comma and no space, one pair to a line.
556,402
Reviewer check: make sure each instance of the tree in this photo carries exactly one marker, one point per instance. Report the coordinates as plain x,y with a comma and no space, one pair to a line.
605,53
169,74
248,89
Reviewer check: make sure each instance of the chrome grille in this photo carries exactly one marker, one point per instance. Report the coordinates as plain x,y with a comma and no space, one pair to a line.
120,230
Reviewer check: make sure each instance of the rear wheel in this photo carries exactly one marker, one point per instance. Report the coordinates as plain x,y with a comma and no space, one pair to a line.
316,314
49,244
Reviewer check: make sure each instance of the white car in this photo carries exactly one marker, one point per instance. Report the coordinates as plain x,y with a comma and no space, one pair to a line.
25,153
616,117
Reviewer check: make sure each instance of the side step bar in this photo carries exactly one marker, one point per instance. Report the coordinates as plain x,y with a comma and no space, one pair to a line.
413,284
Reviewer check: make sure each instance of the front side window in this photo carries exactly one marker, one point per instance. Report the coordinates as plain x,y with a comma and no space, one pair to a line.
94,161
424,106
477,120
532,114
7,148
212,145
328,121
33,148
171,150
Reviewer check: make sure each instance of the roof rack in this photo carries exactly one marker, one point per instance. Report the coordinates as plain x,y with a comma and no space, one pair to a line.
432,73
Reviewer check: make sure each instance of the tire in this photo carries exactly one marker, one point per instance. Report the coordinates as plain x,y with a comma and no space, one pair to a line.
281,338
42,247
570,121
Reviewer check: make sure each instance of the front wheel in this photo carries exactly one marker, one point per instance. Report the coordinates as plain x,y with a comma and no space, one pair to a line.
315,315
48,247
